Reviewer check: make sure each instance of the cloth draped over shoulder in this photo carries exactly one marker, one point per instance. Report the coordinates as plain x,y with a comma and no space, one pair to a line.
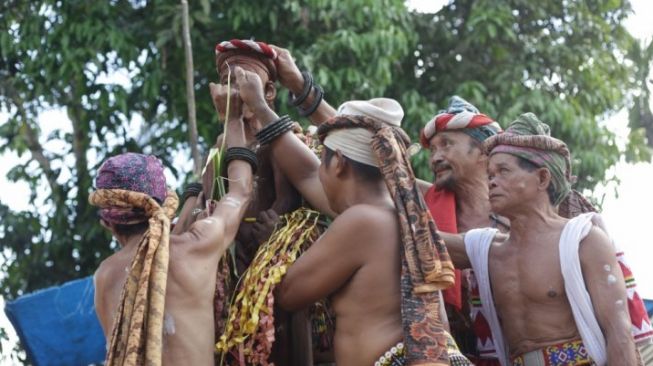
426,265
136,337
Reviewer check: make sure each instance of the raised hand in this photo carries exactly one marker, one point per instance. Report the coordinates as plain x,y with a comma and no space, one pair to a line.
287,71
250,87
219,94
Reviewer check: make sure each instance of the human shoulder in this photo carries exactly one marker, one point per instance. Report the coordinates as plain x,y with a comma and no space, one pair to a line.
364,223
498,237
203,231
106,269
364,214
596,246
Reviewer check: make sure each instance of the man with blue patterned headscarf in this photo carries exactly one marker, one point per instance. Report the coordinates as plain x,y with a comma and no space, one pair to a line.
458,201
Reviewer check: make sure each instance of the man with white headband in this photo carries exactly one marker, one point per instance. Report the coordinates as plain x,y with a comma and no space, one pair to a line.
386,260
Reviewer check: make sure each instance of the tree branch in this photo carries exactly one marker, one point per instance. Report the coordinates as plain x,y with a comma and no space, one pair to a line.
31,138
80,147
190,89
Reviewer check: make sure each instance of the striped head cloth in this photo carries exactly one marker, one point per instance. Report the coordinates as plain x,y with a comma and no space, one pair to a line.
460,115
246,52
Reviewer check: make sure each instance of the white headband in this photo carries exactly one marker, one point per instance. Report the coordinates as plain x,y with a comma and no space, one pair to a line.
356,143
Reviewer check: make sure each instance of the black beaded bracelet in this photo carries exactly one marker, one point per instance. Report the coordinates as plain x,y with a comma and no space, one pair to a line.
244,154
274,130
319,95
192,190
271,128
306,90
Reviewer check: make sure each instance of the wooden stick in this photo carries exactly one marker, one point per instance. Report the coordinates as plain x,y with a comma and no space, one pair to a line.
190,91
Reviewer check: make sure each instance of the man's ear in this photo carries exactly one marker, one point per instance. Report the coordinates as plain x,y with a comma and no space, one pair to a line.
483,159
270,92
544,178
340,163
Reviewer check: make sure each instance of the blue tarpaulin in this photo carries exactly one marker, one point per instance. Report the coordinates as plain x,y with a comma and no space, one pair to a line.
58,325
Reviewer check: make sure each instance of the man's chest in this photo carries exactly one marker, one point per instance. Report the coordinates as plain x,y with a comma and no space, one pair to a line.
530,274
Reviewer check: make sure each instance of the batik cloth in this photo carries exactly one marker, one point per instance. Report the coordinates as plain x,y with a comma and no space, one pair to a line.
136,337
442,205
564,354
426,265
456,358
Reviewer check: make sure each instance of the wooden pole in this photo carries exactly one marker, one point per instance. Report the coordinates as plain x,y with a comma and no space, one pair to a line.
190,91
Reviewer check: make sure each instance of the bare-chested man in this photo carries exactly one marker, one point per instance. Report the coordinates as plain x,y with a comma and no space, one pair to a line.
552,288
154,297
368,290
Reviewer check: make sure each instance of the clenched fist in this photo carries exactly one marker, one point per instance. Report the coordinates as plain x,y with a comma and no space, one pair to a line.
219,94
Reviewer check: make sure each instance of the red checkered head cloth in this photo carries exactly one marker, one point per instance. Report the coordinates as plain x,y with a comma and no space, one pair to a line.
460,115
244,52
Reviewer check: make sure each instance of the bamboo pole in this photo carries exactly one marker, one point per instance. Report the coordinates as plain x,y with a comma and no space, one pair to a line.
190,91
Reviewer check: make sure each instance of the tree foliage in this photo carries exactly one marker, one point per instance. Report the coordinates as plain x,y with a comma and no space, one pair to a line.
563,61
640,116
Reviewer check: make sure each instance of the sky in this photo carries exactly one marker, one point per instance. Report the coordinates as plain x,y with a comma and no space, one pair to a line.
624,213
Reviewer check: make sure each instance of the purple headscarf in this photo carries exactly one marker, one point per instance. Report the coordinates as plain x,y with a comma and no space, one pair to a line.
131,172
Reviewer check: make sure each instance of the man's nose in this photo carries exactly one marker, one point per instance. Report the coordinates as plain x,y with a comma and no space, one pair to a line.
436,158
491,182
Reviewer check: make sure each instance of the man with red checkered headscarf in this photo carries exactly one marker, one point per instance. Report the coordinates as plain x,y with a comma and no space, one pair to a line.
458,201
274,197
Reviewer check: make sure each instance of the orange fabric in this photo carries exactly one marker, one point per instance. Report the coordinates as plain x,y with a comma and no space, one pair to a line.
442,205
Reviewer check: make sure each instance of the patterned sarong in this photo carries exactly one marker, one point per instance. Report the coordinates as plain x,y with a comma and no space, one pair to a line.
564,354
136,338
425,264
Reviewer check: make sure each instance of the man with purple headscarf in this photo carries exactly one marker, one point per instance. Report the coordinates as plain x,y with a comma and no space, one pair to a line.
154,297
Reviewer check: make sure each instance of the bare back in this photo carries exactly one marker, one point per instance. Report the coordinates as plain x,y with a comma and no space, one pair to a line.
188,316
188,319
357,262
529,291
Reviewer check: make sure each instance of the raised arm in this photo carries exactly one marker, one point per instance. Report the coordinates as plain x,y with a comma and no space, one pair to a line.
605,283
295,160
214,233
292,78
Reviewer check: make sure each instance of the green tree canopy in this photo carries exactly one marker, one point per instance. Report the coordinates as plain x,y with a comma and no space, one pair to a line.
564,61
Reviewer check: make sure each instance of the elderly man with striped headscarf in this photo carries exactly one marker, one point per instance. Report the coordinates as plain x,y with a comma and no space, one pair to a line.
555,283
458,201
154,296
386,262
